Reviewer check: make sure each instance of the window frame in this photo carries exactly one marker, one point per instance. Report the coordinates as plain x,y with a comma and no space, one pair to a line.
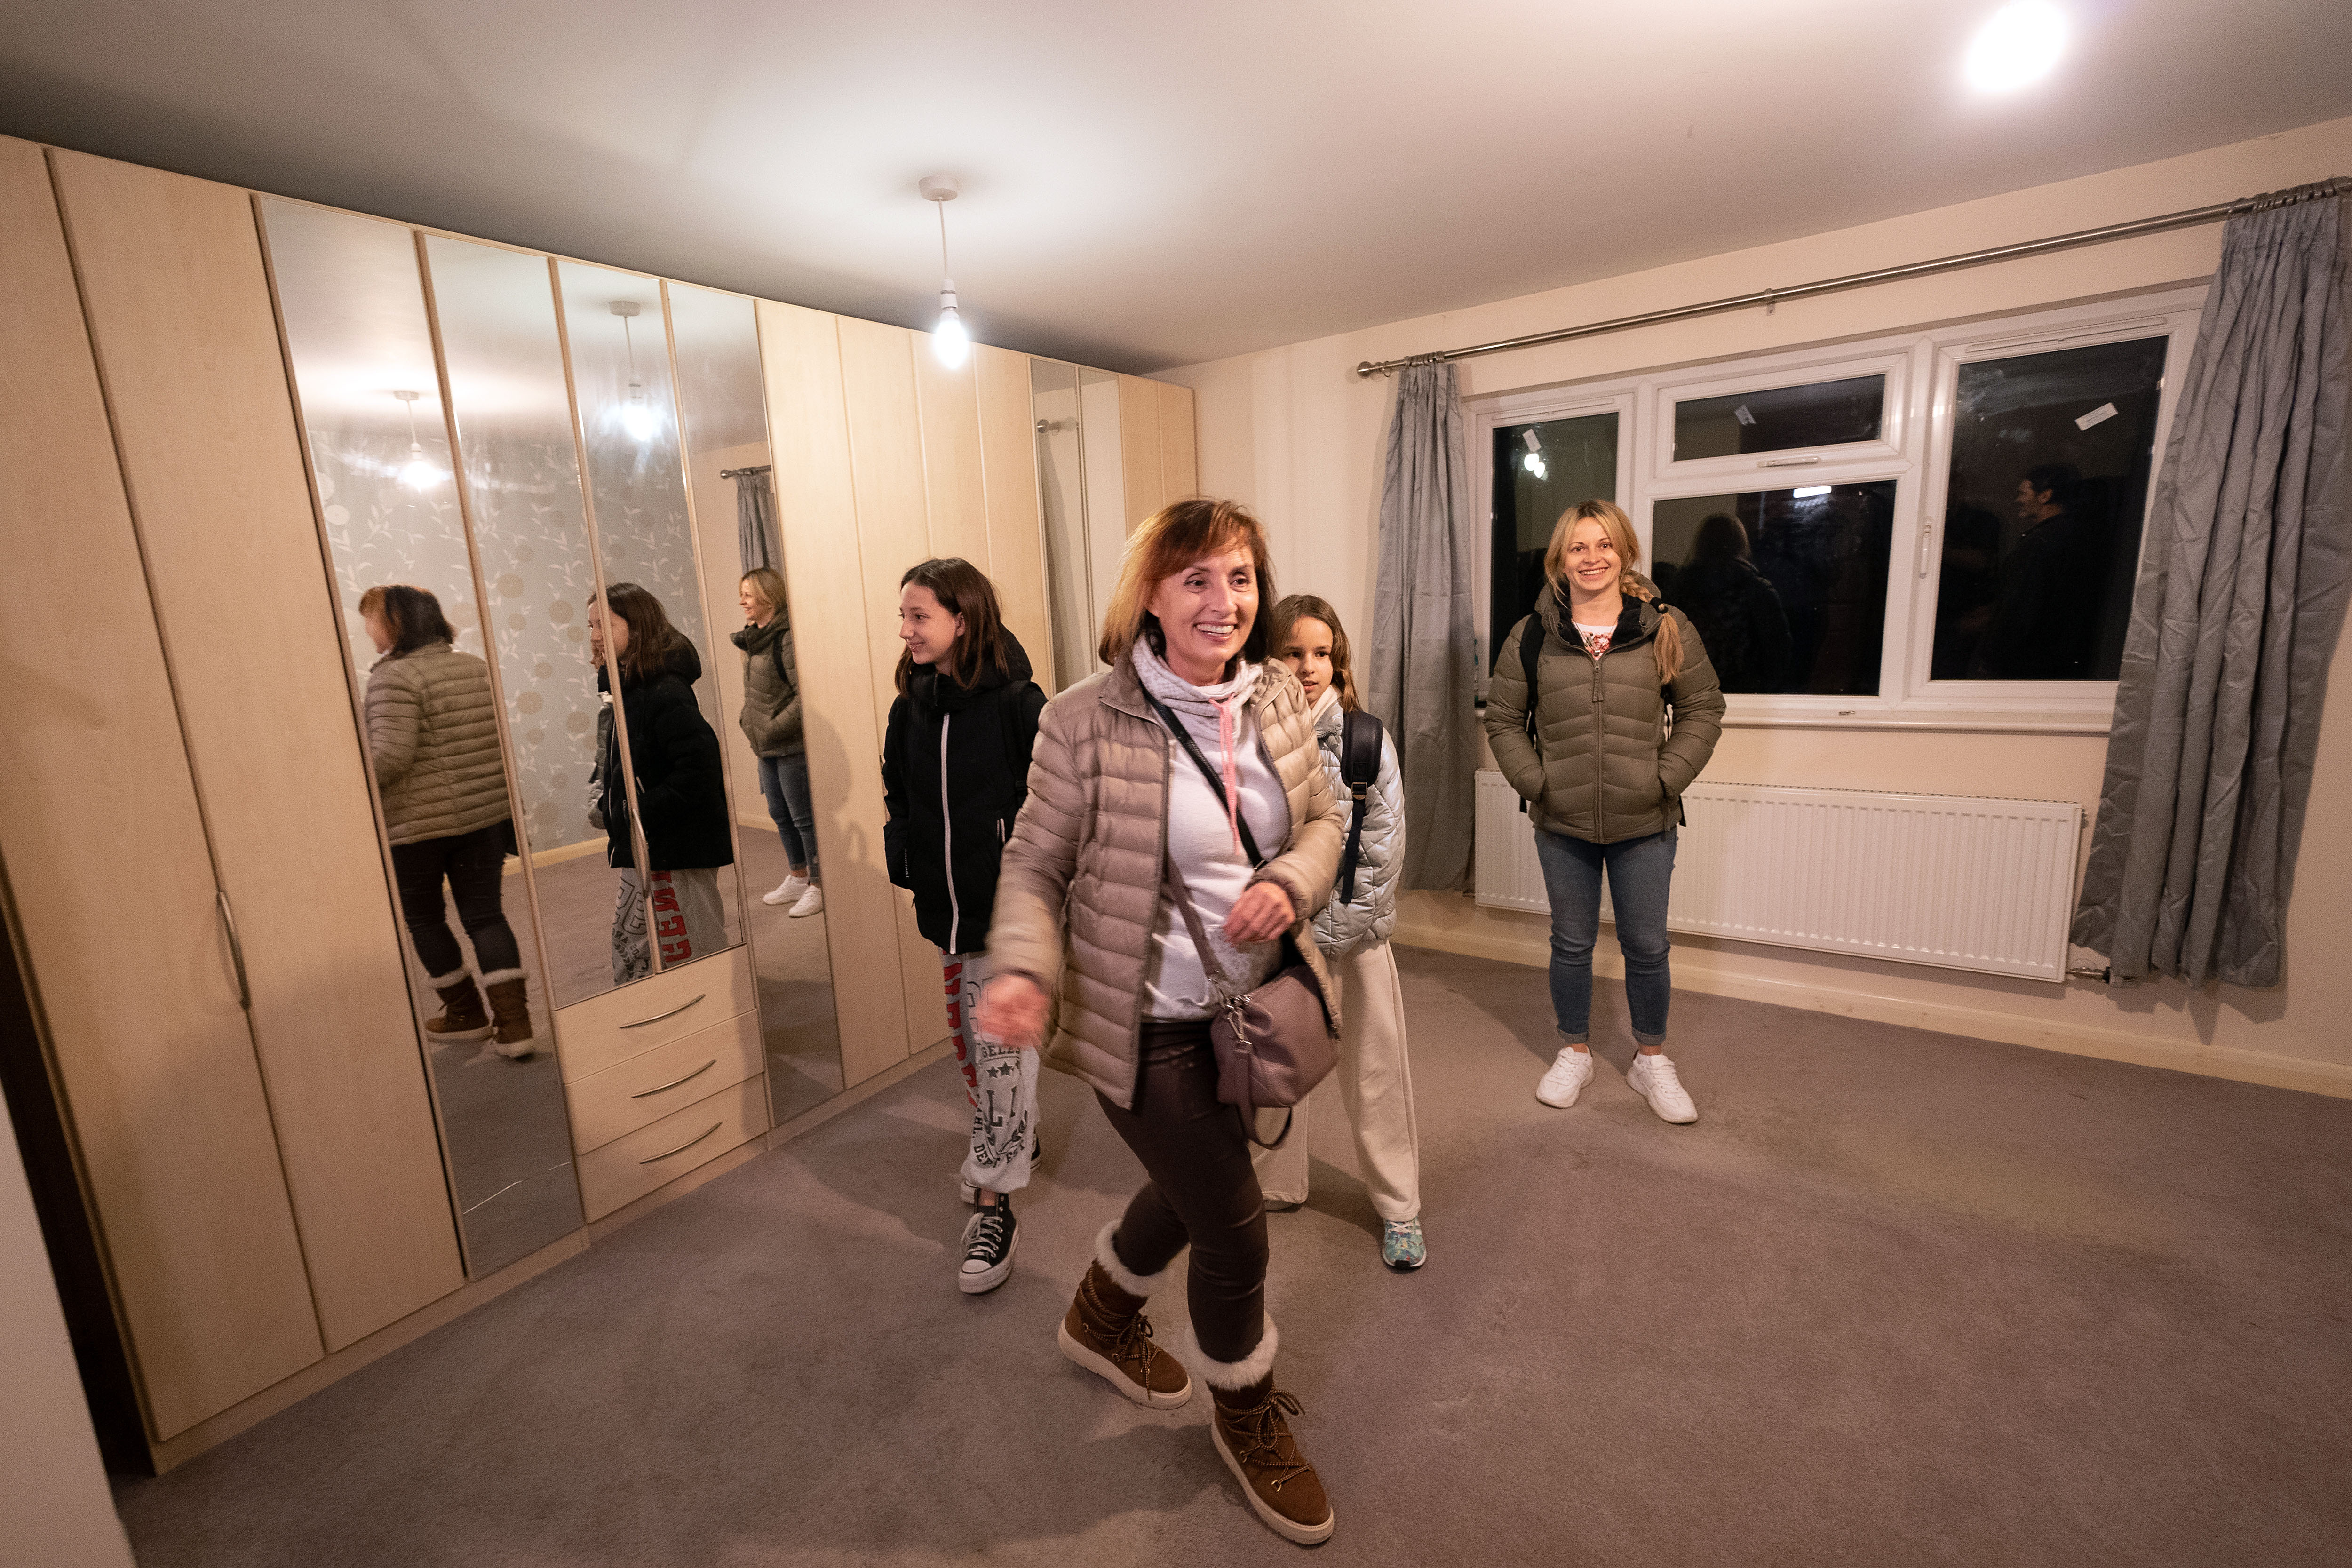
1922,369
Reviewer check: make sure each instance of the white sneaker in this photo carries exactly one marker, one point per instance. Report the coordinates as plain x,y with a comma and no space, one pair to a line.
787,890
1652,1077
811,903
1566,1078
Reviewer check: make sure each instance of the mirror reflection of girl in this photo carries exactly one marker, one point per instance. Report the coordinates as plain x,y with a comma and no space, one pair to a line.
433,739
1604,782
955,772
681,793
1375,1080
772,722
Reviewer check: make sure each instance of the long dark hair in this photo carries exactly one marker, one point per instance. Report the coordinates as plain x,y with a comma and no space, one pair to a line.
412,614
962,589
652,639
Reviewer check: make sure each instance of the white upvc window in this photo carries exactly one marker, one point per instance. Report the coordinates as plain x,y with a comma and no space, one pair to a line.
1938,529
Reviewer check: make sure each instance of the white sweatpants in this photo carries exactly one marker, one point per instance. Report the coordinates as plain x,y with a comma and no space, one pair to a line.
999,1082
1375,1089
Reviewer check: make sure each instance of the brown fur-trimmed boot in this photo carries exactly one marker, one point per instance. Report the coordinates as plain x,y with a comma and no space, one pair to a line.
462,1017
1255,1441
1105,1331
510,1010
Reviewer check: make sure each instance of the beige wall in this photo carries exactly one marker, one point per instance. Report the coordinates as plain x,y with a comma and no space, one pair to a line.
1298,435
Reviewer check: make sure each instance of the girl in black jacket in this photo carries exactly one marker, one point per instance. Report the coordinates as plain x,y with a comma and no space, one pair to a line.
955,770
681,788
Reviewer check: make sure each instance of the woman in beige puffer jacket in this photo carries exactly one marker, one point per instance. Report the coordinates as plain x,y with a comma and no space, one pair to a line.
433,739
1084,902
1602,770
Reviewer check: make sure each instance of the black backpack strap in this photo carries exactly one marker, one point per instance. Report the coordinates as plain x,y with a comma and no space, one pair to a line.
1249,842
1359,769
1532,637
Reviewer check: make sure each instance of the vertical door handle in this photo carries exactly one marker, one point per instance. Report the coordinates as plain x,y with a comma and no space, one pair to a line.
235,950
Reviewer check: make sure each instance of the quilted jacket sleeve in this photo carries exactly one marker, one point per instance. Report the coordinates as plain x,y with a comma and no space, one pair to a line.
1698,714
395,710
1032,882
1506,720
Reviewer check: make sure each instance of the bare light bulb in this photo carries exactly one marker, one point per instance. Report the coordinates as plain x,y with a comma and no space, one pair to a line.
2016,47
416,473
950,342
638,417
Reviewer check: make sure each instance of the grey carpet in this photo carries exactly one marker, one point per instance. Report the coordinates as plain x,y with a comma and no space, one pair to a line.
1898,1298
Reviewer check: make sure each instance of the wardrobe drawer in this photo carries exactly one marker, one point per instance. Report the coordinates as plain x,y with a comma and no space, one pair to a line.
633,1020
649,1086
634,1163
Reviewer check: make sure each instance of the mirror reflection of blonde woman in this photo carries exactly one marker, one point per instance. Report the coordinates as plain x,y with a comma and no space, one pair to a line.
771,720
1603,773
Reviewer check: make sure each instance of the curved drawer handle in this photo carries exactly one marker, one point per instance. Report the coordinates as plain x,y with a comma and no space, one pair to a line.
658,1017
673,1083
687,1144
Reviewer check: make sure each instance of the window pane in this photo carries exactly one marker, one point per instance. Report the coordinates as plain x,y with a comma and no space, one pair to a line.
1823,414
1786,589
2051,455
1541,470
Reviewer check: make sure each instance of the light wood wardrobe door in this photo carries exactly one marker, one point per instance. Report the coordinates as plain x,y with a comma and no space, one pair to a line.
894,531
1017,528
1180,473
816,504
180,314
1138,448
111,888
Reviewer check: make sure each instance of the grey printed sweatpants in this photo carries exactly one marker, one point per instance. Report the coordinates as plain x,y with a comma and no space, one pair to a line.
999,1081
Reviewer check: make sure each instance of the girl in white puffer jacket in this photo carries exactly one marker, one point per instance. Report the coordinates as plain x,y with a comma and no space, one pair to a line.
1375,1080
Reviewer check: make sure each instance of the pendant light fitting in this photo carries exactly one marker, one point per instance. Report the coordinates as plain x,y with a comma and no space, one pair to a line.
416,473
950,342
636,417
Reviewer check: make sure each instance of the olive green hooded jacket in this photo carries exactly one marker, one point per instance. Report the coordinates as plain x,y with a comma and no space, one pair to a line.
1610,767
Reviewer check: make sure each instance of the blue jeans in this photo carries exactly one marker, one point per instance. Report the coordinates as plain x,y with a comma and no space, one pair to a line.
784,781
1639,870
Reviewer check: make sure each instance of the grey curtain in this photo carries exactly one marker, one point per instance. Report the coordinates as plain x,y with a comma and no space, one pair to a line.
2241,596
1424,660
755,521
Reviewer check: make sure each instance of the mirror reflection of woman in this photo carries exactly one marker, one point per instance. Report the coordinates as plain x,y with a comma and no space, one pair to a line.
433,740
955,772
771,720
681,791
1085,902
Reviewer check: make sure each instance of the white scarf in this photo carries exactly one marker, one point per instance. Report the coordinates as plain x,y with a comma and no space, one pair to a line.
1223,702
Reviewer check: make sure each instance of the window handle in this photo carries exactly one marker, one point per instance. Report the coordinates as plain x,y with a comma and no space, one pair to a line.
1788,462
1926,535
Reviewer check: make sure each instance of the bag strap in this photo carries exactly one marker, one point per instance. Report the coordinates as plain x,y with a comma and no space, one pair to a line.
1359,769
1214,968
1249,841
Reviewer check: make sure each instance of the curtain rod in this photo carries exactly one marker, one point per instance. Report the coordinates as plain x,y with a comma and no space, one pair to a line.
740,473
1769,297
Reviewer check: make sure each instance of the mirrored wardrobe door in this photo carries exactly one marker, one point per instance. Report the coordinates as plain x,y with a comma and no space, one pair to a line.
723,415
369,392
1061,497
617,339
495,312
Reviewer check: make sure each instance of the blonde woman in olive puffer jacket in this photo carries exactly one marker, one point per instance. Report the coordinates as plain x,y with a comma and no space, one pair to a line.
433,739
1603,771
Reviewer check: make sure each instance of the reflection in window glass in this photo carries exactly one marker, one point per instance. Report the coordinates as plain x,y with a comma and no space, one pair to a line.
2042,517
1821,414
1786,589
1541,470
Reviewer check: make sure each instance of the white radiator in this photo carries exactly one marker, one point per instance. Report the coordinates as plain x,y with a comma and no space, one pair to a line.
1949,880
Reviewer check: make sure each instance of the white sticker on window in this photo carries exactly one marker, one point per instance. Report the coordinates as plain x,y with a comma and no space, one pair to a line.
2104,411
1742,415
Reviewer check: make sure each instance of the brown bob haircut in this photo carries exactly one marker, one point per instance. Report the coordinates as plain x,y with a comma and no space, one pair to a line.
412,614
962,589
652,639
1667,645
1165,543
1308,607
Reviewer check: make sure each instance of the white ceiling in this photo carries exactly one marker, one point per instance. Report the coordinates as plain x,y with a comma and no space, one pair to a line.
1147,184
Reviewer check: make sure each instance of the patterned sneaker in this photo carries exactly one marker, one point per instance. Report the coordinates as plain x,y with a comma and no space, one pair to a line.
988,1242
1652,1077
1566,1078
1402,1246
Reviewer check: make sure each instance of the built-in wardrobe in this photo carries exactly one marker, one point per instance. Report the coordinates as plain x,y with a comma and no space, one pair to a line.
231,417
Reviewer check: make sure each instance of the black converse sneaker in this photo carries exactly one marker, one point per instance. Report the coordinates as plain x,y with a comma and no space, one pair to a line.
988,1243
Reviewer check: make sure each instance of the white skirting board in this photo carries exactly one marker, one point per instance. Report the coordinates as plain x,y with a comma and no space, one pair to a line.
1953,881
